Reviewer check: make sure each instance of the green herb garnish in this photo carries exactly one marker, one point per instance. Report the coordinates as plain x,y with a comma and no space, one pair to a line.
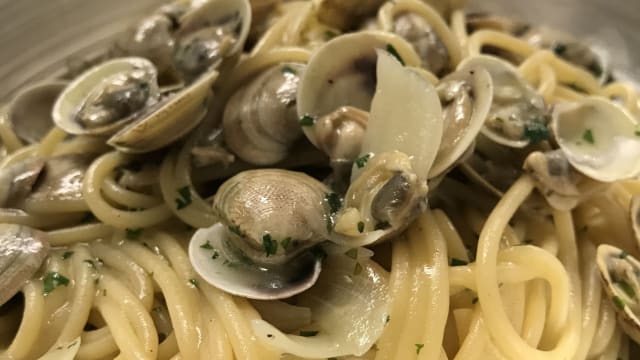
419,348
52,280
215,254
334,201
559,48
386,320
362,160
270,246
536,132
285,243
475,300
66,255
357,269
587,136
308,333
619,303
623,254
330,34
360,226
194,282
184,198
352,253
457,262
133,234
207,246
307,120
626,288
395,53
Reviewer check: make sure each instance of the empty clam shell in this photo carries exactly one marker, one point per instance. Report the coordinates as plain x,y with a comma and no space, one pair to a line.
599,138
619,274
22,251
30,110
106,97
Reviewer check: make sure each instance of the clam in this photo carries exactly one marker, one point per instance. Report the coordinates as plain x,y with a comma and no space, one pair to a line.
424,28
106,97
338,85
208,33
343,14
518,114
260,120
619,273
17,180
599,138
263,247
571,49
466,98
22,251
30,110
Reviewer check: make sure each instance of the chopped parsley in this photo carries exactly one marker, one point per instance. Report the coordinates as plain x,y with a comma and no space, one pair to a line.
207,246
133,234
270,246
184,198
626,288
395,53
357,270
288,70
419,348
457,262
475,300
536,132
637,132
330,34
194,282
587,136
334,202
308,333
67,254
215,254
285,243
352,253
559,48
619,303
52,280
623,254
360,226
307,120
362,160
386,320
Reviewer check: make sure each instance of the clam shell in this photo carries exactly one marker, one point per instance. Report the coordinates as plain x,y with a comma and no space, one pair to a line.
599,138
74,95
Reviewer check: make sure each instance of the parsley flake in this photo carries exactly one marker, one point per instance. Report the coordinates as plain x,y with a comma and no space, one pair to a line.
307,120
362,160
270,246
637,132
360,226
386,320
184,198
419,348
52,280
207,246
357,270
194,282
475,300
559,48
66,255
536,132
395,53
308,333
285,243
352,253
587,136
623,254
626,288
457,262
133,234
330,34
619,303
334,201
215,254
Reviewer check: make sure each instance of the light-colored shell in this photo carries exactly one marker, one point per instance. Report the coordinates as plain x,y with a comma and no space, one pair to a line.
30,110
22,251
518,113
343,73
168,121
17,180
225,267
555,178
466,97
260,120
599,138
619,274
76,93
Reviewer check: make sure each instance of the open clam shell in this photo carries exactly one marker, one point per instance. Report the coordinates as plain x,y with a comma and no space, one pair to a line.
342,72
619,274
169,120
78,94
518,114
226,268
30,110
599,138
